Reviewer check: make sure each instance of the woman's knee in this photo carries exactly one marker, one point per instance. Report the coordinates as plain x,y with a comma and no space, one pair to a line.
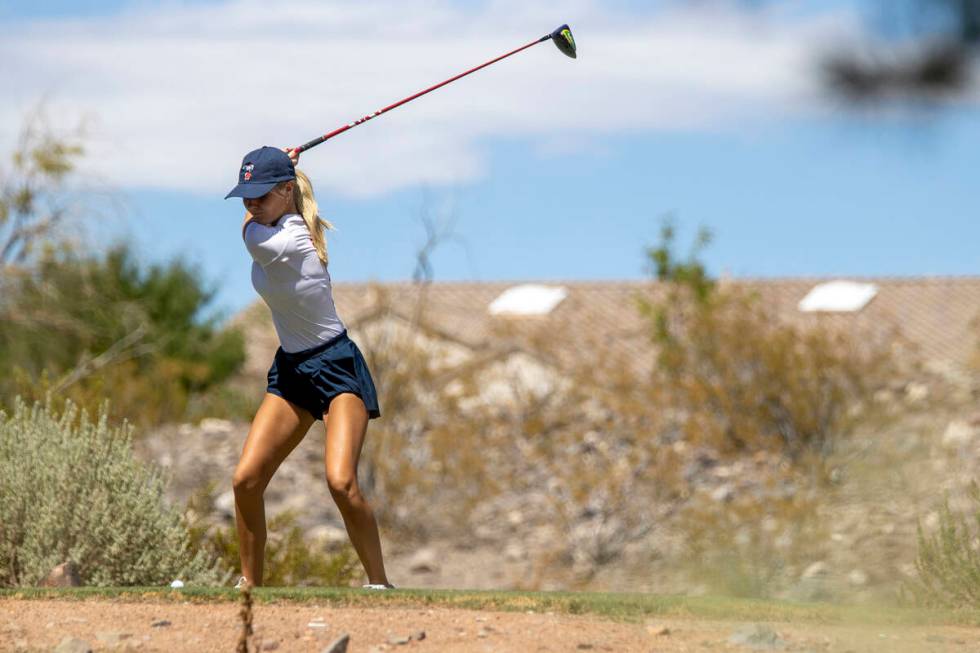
343,485
246,481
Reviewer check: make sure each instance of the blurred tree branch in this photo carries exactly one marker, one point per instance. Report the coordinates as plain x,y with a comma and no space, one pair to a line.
931,55
439,229
32,199
921,50
122,349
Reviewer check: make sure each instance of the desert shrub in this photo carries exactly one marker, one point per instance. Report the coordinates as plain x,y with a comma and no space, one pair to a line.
400,460
73,490
567,449
88,327
290,558
587,445
743,381
752,542
948,560
740,379
739,385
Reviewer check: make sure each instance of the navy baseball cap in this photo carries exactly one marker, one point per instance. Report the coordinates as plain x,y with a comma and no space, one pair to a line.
261,170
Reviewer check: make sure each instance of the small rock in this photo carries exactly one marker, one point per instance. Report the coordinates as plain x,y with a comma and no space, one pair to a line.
161,623
418,635
73,645
514,552
110,638
583,646
816,570
958,433
225,502
329,534
64,575
177,584
483,633
270,646
916,392
398,640
658,630
424,562
723,493
758,638
339,645
216,425
723,471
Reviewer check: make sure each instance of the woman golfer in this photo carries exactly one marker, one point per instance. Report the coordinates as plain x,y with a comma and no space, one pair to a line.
317,373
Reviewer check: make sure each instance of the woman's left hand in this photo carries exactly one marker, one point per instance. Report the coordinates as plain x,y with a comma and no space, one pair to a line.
293,155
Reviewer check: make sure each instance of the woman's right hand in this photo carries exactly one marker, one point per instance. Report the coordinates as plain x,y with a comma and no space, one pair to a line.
293,154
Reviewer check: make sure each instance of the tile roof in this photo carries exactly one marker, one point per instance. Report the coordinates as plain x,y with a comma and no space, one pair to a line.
937,315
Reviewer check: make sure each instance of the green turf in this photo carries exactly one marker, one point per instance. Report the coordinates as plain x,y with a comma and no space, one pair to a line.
625,607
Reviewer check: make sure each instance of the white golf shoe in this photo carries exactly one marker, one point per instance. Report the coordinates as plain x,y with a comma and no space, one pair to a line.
378,586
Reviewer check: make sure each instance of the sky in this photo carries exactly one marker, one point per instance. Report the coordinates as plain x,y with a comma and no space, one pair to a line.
536,168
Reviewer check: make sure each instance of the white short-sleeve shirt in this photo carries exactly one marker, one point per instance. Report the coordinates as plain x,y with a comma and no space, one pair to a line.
288,275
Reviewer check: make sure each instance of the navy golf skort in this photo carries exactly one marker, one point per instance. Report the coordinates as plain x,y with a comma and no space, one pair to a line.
313,377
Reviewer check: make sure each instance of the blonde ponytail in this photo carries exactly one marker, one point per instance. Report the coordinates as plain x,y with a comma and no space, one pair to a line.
306,207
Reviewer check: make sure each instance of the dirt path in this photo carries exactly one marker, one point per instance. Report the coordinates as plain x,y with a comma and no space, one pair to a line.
38,625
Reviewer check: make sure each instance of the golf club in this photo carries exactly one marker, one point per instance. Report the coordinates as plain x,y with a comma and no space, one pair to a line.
562,38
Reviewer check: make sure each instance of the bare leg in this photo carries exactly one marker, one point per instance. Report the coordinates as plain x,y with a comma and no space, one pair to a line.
347,422
278,427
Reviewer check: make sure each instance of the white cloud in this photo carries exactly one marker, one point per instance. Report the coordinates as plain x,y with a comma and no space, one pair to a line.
179,93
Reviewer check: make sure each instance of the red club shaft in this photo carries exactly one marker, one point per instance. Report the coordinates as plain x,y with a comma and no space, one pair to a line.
341,130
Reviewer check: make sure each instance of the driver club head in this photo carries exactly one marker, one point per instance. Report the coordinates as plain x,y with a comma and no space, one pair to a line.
564,40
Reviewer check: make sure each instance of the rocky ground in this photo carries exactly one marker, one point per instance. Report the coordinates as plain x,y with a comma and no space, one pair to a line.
79,626
886,480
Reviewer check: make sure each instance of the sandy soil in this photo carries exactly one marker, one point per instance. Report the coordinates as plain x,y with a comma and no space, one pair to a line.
38,625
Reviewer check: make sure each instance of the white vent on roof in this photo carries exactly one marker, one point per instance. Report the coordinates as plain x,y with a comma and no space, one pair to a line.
528,299
838,296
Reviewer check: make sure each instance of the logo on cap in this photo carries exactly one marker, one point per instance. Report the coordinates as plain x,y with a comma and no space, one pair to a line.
247,169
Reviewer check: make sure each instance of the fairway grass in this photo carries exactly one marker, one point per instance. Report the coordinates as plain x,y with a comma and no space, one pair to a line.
616,606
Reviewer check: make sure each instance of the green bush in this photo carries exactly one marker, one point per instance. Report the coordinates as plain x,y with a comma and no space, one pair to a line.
948,561
82,325
73,490
87,327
